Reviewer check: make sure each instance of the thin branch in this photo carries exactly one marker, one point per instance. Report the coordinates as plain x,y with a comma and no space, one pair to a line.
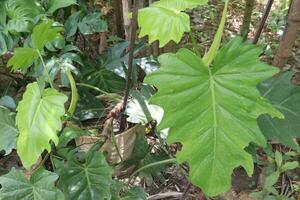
130,62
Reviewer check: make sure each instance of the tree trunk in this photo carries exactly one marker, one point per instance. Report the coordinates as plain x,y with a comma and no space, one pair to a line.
247,18
291,30
263,21
119,18
126,20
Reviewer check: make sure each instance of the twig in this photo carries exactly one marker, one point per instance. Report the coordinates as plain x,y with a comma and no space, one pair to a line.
130,63
263,21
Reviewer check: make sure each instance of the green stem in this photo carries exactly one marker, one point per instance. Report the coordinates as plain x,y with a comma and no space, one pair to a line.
74,99
213,50
112,96
45,68
93,87
172,160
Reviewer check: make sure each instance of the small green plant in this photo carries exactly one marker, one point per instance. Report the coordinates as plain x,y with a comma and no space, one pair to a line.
282,165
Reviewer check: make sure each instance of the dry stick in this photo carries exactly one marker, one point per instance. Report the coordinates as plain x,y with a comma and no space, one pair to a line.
263,21
130,63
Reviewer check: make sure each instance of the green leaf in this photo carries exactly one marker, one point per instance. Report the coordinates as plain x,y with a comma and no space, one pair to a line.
44,33
285,96
139,110
22,58
38,119
71,24
106,80
278,158
271,180
213,50
57,4
92,23
40,186
289,166
21,14
213,111
165,21
86,181
136,193
8,131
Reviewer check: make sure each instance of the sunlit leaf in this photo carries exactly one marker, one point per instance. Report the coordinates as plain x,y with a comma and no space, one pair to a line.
165,20
213,111
22,58
38,119
44,33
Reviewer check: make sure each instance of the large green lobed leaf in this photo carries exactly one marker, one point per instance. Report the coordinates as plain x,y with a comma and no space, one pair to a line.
40,186
212,111
165,21
8,131
285,97
38,119
86,181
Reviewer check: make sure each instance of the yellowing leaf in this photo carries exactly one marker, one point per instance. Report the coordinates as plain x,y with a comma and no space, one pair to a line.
213,111
165,21
38,119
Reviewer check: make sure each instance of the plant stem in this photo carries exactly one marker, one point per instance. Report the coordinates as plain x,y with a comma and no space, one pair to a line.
45,68
263,21
172,160
130,62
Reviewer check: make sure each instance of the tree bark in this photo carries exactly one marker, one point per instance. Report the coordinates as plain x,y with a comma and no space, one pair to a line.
291,30
247,18
263,21
117,4
126,20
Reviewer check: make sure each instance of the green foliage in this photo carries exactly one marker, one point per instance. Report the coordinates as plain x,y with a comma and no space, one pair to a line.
269,191
165,20
20,14
40,186
89,24
139,110
8,131
106,80
90,180
38,119
92,23
285,97
217,107
57,4
44,33
41,35
23,58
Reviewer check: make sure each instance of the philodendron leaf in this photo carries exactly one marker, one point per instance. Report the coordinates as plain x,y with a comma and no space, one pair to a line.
285,97
8,131
212,111
86,181
38,119
22,58
57,4
44,33
40,186
165,20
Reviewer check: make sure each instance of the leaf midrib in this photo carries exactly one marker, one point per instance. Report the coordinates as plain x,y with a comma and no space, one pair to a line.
213,99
